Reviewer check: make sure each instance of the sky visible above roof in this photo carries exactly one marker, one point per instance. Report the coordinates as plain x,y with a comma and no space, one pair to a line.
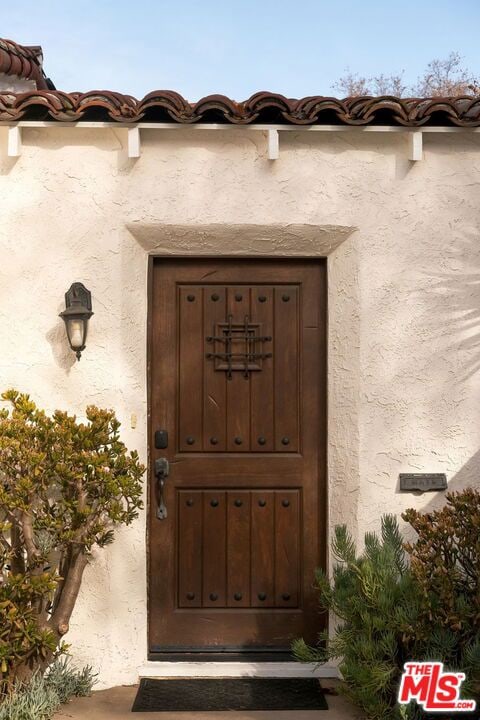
197,48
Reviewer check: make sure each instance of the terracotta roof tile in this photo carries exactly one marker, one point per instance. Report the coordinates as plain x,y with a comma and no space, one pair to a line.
22,62
263,107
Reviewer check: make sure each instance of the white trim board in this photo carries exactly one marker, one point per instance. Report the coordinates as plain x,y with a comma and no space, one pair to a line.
133,138
164,669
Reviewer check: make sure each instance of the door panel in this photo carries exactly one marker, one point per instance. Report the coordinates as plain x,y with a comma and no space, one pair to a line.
237,378
241,404
238,548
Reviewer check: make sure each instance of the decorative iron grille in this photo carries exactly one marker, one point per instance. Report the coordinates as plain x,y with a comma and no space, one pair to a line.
238,347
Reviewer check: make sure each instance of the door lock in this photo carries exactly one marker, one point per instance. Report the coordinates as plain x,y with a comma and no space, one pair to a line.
162,468
161,439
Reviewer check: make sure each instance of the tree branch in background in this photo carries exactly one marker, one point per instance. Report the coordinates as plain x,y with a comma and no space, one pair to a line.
442,78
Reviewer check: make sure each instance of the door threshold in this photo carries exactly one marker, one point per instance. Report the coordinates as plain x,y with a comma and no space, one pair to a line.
223,656
228,668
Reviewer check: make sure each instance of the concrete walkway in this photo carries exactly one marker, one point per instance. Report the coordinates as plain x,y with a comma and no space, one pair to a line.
116,704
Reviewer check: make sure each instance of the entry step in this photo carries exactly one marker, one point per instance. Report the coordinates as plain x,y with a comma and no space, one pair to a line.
198,668
223,656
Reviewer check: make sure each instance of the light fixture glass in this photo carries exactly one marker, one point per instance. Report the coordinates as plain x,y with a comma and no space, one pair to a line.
76,331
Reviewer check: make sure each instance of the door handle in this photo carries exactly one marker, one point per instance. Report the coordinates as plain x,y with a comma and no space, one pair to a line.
162,468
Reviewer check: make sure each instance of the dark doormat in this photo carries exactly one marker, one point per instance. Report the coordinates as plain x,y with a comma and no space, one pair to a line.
229,694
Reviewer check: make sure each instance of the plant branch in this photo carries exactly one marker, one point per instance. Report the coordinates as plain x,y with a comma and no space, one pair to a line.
59,621
18,560
28,538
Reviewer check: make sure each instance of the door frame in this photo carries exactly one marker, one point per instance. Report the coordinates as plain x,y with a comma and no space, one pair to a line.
153,258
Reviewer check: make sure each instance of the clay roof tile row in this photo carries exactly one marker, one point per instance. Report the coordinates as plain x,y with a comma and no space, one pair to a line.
262,107
21,61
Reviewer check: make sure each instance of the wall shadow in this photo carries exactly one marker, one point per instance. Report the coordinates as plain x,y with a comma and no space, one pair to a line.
454,290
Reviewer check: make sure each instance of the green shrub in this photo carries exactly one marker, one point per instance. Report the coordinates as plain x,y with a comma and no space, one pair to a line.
64,487
68,682
42,696
445,563
375,599
398,602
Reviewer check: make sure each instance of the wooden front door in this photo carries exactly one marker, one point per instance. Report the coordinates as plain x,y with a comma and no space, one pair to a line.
237,381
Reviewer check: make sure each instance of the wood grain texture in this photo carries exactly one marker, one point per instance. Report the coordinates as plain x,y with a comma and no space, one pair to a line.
238,387
286,358
191,358
287,548
190,562
214,549
262,385
263,549
215,383
238,549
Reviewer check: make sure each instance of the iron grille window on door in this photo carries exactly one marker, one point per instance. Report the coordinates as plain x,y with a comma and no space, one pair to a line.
238,347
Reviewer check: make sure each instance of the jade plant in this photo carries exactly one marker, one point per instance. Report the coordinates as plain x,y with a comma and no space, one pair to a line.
65,486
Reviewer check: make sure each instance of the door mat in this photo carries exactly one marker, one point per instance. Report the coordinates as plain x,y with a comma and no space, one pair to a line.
198,694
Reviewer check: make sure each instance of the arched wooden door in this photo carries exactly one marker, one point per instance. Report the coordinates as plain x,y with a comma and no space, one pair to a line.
237,372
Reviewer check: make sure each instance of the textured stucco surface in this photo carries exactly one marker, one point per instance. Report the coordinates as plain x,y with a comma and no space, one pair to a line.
403,249
13,84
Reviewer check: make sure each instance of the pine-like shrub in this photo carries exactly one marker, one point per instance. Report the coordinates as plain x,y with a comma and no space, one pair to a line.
375,599
399,601
65,486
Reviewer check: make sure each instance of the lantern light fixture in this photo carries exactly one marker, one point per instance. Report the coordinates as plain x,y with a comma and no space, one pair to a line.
77,313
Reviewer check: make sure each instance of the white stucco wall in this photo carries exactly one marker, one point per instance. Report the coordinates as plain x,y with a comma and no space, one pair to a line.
14,84
403,242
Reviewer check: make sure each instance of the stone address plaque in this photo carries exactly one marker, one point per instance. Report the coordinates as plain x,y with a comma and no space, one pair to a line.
422,482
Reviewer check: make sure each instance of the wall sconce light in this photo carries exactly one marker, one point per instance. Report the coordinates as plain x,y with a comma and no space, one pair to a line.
78,311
